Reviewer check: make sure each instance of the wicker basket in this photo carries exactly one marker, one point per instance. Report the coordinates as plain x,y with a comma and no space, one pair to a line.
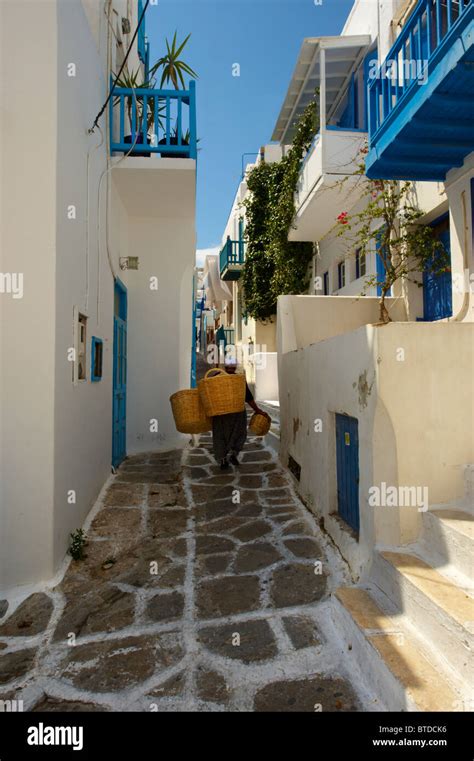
222,393
259,424
188,412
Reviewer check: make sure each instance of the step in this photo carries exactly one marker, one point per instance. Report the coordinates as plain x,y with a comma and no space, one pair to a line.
448,539
441,611
391,659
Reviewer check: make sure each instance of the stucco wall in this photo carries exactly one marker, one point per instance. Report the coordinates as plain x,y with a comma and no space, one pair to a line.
28,243
304,320
159,327
56,436
83,412
398,381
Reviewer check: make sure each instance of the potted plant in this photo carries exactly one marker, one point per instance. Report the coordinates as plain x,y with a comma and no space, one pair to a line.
131,81
173,71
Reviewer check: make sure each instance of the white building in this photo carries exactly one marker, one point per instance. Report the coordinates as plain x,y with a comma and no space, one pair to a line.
367,407
254,340
105,244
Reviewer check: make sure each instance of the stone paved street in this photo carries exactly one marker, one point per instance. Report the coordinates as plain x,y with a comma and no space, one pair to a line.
201,590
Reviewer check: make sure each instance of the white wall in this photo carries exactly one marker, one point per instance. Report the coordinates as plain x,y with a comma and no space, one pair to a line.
159,328
28,244
305,320
55,436
410,422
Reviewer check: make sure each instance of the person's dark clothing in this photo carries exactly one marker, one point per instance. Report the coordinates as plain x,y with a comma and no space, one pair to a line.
229,432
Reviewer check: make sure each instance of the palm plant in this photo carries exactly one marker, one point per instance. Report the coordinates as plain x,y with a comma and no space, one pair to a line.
131,81
173,68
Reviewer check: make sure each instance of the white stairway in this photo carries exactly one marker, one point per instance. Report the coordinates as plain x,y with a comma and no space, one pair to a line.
411,627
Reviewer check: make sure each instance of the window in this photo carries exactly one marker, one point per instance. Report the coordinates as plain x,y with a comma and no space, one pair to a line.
326,283
361,265
81,346
341,274
96,359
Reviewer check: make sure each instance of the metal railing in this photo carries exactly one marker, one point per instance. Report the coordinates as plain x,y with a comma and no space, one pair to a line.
146,121
427,34
232,252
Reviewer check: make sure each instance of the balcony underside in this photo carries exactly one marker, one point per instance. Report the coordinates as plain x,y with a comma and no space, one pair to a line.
432,129
317,215
231,272
154,187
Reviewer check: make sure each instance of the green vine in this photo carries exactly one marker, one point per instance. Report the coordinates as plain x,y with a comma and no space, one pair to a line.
274,265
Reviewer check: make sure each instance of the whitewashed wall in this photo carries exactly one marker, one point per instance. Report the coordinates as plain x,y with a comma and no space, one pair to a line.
55,437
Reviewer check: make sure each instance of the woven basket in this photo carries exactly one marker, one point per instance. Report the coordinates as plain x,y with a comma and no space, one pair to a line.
188,412
259,424
222,393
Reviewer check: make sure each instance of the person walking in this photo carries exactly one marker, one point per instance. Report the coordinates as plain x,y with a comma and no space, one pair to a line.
229,432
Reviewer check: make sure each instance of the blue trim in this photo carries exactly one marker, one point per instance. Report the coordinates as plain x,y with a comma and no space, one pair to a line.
119,381
421,132
369,58
123,295
347,470
193,344
380,268
438,288
95,377
472,214
141,40
231,259
161,102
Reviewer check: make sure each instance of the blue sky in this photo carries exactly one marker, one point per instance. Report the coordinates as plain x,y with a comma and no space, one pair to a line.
236,115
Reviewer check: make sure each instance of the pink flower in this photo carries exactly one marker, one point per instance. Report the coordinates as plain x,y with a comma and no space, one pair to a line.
342,218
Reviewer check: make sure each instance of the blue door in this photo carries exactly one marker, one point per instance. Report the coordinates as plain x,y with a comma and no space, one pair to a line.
437,289
119,411
347,465
380,255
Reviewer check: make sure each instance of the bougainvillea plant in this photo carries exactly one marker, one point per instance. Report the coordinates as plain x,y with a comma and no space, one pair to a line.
390,224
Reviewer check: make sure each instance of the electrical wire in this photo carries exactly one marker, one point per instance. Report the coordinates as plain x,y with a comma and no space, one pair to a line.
124,62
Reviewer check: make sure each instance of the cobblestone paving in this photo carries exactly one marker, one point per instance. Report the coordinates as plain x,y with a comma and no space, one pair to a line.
199,592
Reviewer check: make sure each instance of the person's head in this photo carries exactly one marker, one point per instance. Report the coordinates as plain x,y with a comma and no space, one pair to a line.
230,365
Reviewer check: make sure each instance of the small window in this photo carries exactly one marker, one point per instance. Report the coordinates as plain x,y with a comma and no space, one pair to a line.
81,346
326,283
341,274
361,265
96,358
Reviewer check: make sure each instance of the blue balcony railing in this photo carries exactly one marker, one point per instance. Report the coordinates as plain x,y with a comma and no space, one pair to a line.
418,47
420,98
231,259
144,121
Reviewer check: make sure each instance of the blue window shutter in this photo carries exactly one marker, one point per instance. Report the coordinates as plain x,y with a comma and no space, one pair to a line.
372,56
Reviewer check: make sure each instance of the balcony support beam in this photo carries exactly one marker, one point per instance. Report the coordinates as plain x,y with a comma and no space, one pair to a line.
322,100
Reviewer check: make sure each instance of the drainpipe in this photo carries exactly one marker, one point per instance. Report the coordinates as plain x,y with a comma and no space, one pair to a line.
459,317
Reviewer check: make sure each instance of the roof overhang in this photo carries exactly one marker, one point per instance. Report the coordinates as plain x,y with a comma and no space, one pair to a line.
343,55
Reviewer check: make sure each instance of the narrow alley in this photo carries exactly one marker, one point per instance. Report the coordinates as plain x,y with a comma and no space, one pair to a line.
200,590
